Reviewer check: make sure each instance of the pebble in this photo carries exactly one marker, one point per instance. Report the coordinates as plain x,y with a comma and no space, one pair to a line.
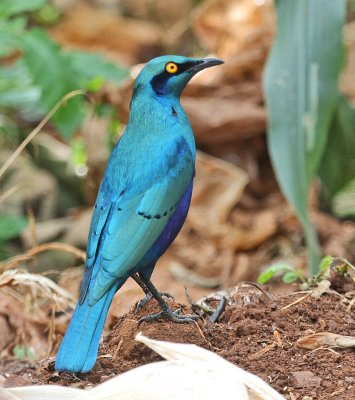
301,379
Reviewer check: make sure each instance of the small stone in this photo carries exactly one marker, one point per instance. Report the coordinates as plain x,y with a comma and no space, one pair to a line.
301,379
349,379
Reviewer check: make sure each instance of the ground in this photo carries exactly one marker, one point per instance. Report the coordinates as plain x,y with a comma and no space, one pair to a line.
257,330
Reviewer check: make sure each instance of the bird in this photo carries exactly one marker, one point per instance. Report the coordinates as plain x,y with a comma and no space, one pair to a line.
142,203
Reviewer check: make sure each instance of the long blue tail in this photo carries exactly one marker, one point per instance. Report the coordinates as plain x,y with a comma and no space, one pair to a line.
78,350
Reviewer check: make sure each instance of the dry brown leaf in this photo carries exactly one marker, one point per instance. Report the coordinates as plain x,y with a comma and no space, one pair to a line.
322,339
94,29
221,120
238,31
218,187
28,303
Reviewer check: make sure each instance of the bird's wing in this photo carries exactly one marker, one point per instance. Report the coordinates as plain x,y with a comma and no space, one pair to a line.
122,231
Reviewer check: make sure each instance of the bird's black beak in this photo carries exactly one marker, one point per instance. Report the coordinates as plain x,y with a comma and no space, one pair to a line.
204,63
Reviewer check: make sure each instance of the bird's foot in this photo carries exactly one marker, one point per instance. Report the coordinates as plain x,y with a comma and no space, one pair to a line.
148,296
170,315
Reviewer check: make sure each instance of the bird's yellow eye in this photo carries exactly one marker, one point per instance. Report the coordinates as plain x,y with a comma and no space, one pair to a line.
171,67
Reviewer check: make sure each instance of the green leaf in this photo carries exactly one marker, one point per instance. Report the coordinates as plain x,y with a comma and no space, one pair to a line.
16,88
290,277
300,85
11,227
265,276
10,31
337,168
49,68
325,263
56,73
22,352
52,73
90,65
68,118
272,271
12,7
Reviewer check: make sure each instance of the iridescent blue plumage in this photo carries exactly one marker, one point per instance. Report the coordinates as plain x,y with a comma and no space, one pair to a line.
142,202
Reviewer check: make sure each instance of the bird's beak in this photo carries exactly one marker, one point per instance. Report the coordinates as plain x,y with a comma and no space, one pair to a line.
204,63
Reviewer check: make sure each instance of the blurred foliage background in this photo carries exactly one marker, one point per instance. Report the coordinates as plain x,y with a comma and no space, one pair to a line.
240,222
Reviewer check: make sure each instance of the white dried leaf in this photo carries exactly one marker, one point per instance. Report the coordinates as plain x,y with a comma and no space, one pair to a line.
190,373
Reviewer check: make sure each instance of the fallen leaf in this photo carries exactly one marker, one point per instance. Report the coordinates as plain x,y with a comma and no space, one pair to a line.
322,339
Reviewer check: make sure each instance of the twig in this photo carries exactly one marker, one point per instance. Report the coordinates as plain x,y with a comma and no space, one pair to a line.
261,352
38,128
14,261
295,302
256,285
10,191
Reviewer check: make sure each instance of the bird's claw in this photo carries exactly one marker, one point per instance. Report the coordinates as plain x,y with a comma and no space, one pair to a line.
170,315
141,303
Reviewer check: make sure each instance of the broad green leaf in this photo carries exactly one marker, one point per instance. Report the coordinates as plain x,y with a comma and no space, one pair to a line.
49,68
53,75
69,116
300,85
57,73
89,66
10,31
16,88
337,168
12,7
11,227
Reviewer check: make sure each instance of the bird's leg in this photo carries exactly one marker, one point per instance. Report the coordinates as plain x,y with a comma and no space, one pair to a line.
148,295
166,312
140,283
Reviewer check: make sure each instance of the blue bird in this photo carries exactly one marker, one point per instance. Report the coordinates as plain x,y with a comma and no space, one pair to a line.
141,205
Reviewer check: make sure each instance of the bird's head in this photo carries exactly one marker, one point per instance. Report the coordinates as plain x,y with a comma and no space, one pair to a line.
168,75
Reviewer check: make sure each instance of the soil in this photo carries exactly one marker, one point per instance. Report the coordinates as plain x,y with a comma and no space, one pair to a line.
257,331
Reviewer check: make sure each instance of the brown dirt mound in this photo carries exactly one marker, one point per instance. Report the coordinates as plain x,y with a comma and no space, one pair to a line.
256,332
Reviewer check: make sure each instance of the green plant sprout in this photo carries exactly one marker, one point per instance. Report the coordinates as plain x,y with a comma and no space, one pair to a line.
291,274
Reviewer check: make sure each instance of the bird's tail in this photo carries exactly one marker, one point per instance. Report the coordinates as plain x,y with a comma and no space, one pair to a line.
78,350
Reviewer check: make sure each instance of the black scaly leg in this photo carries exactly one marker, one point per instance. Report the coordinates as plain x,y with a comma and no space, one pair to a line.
148,294
166,312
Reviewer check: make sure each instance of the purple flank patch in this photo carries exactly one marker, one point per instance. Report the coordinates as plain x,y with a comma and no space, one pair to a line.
169,233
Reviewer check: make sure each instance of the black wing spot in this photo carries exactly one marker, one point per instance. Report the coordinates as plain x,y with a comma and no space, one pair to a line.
173,111
144,215
149,216
119,209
